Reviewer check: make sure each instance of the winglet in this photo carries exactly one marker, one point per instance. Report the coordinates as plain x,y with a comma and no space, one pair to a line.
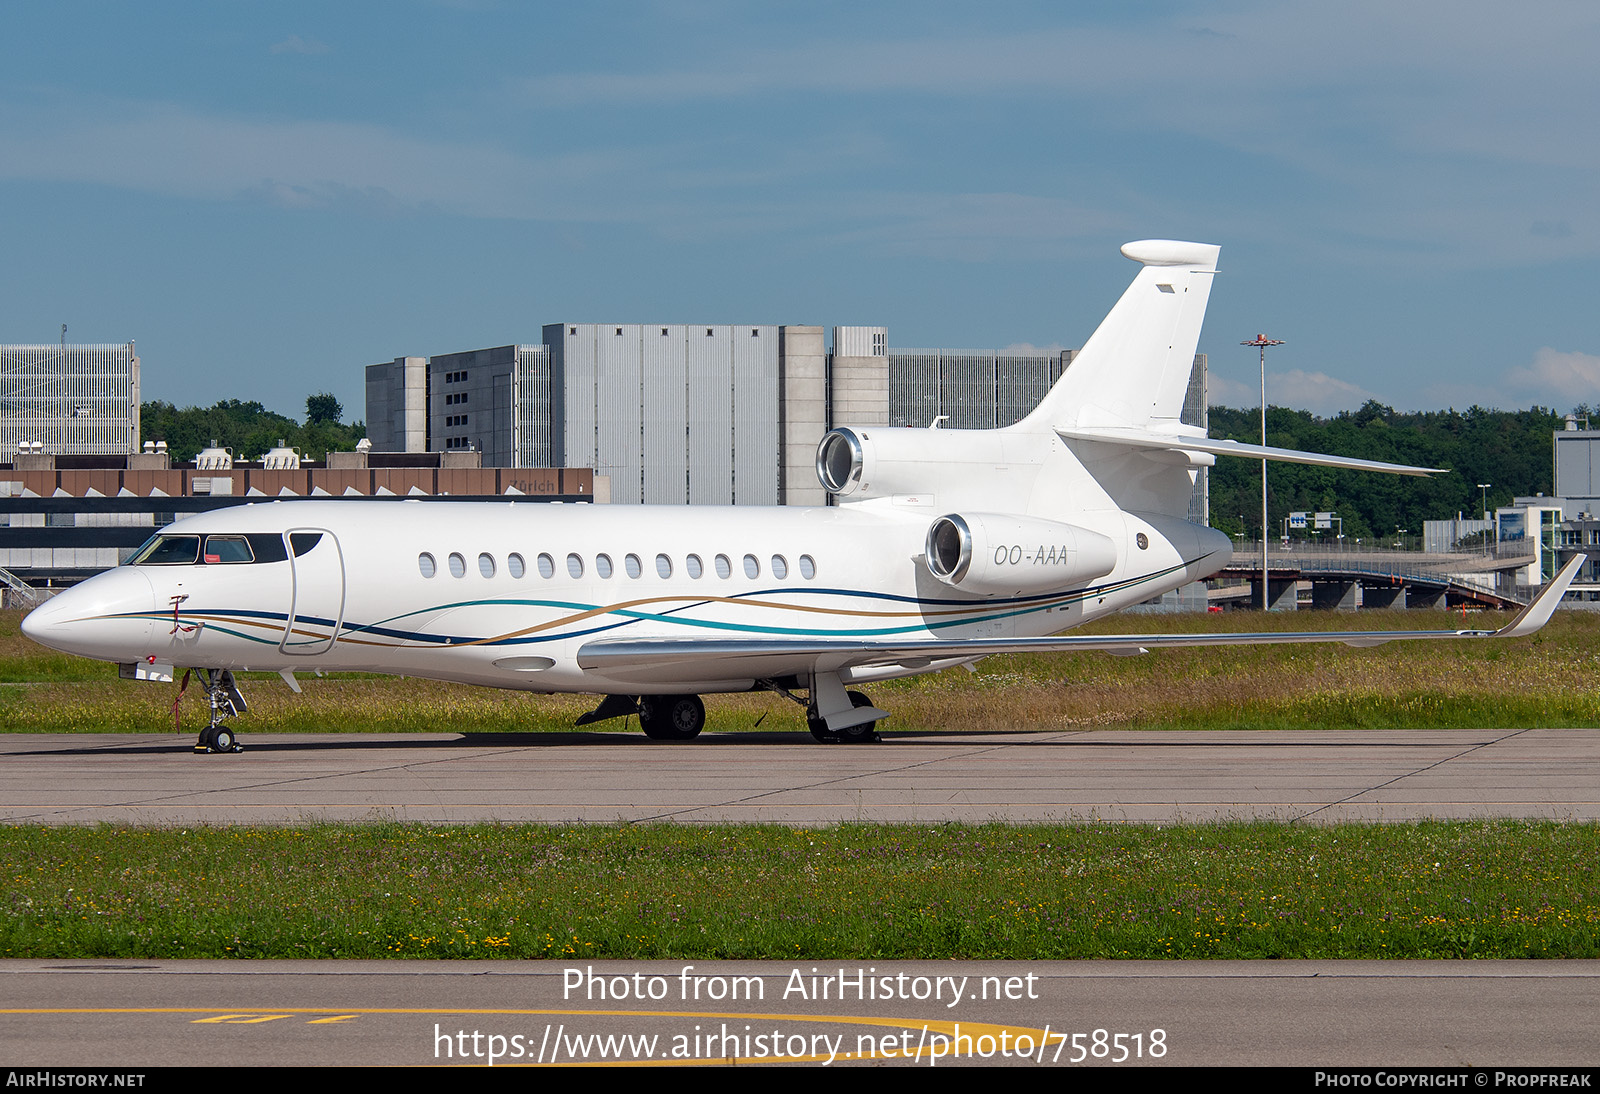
1538,613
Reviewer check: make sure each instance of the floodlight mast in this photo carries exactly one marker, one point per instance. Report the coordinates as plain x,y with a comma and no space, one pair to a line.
1262,342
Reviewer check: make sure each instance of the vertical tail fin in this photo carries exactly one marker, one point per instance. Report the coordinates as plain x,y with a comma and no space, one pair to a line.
1134,370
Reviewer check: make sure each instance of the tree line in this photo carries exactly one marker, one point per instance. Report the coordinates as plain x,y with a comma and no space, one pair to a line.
249,428
1511,450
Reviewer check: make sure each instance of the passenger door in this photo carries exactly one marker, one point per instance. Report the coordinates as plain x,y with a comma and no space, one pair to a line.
316,604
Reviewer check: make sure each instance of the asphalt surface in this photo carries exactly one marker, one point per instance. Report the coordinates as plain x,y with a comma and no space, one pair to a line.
1308,776
123,1015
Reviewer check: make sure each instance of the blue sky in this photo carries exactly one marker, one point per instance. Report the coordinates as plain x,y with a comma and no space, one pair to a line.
270,196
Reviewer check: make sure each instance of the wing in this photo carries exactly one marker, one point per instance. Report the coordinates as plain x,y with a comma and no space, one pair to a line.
669,658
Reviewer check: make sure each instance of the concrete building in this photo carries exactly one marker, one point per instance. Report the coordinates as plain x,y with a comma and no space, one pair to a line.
397,405
69,399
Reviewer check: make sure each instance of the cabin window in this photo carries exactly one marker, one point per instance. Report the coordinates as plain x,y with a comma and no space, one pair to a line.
458,565
663,566
633,565
724,567
694,566
427,565
780,567
602,565
486,564
575,566
752,568
515,566
808,567
547,566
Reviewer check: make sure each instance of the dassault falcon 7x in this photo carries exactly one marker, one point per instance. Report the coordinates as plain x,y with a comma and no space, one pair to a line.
945,546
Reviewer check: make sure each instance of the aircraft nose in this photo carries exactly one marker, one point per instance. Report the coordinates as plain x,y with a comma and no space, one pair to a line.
105,617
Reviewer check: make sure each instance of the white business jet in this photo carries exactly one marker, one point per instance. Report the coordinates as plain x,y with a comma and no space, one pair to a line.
945,546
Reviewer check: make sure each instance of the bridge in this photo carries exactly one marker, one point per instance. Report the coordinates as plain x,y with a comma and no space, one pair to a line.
1378,578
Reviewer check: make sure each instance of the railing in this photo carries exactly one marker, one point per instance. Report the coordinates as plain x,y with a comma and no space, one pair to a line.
19,588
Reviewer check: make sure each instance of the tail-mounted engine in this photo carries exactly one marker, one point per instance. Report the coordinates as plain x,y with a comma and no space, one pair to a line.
865,462
993,553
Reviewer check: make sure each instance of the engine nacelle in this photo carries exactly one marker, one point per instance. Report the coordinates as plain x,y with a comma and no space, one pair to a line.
994,553
863,462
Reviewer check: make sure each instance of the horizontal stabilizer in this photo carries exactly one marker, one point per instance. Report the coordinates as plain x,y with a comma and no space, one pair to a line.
744,657
1136,438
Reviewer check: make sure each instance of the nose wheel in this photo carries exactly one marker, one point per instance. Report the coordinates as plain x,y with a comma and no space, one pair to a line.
226,702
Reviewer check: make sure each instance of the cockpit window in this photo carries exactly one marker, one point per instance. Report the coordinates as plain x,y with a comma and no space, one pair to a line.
227,549
167,551
162,549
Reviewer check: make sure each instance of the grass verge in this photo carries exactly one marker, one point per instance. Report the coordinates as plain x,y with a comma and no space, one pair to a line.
1547,680
1474,890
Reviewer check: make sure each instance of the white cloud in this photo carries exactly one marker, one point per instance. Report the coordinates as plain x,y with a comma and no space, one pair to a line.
1559,379
166,149
1297,389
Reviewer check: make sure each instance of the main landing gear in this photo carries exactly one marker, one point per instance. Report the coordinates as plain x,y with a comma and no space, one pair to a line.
663,717
226,702
863,733
833,715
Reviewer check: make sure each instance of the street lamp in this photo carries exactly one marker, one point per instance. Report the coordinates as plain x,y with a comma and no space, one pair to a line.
1484,486
1261,341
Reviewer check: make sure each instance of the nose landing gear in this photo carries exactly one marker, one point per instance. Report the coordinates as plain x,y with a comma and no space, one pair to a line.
226,702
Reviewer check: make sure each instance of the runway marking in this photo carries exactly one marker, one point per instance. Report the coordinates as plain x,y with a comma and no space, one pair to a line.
239,1019
1044,1038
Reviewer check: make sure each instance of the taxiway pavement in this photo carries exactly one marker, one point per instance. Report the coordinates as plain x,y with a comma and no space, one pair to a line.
784,778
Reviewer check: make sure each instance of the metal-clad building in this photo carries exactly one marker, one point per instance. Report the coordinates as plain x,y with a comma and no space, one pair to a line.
671,413
71,399
1577,470
973,389
532,412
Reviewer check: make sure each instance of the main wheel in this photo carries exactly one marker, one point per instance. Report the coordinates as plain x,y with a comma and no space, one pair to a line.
672,717
866,731
860,734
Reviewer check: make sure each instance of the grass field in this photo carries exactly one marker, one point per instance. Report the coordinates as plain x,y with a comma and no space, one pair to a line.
853,891
1488,889
1546,680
